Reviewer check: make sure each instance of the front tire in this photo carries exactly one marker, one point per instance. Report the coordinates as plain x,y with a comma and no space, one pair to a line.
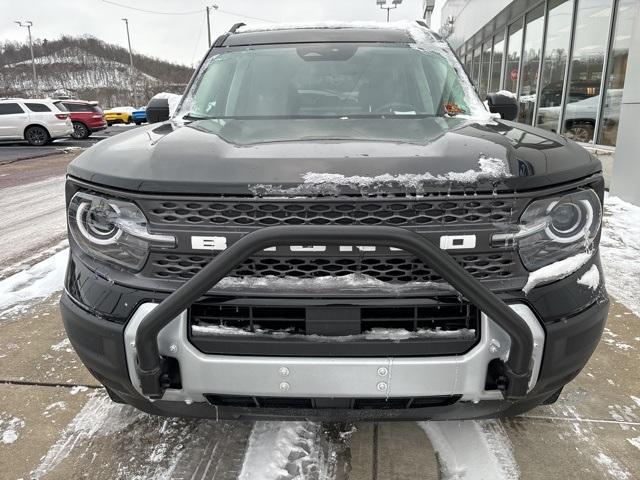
138,123
80,131
109,124
37,136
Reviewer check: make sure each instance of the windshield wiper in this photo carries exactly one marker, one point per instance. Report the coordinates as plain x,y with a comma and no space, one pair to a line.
191,116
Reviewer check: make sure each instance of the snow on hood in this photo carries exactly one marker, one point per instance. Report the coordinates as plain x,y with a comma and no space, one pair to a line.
492,169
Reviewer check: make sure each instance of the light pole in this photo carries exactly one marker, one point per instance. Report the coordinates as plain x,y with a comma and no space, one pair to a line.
209,8
29,24
383,5
126,21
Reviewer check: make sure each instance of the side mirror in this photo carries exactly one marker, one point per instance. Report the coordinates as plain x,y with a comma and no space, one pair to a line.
157,110
504,104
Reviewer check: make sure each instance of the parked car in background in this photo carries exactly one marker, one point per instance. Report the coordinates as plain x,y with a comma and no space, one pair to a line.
580,115
140,116
87,117
36,121
119,115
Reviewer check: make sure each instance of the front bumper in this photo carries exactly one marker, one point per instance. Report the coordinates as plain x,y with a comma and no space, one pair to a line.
101,346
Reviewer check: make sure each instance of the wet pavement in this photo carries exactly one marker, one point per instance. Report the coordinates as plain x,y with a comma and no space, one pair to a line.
61,425
16,151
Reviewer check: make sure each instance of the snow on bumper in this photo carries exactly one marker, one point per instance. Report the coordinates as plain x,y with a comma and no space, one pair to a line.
333,377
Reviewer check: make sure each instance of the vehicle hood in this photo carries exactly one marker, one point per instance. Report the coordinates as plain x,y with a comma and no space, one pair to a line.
320,156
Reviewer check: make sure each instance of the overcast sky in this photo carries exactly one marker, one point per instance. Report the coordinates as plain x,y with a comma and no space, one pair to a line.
178,38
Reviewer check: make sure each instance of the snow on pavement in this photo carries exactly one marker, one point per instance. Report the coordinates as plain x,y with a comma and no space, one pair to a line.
472,450
278,450
10,428
32,216
620,251
18,291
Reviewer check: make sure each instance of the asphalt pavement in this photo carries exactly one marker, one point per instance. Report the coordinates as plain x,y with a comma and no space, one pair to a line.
15,151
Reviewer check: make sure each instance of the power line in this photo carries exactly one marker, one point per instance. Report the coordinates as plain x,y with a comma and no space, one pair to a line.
244,15
190,12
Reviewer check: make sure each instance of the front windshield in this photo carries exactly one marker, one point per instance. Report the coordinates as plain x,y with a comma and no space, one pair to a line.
331,80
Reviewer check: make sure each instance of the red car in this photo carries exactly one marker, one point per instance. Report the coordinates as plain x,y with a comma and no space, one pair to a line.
87,117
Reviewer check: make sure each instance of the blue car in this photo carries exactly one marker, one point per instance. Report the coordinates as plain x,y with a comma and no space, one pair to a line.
139,116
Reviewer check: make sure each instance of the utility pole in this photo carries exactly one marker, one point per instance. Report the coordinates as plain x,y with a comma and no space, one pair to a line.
29,24
133,94
126,21
209,8
383,5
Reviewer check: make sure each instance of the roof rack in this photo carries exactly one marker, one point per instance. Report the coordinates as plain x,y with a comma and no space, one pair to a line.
220,40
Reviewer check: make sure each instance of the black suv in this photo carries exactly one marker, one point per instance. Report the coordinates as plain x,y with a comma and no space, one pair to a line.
333,226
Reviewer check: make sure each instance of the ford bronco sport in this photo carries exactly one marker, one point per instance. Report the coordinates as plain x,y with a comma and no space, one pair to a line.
332,225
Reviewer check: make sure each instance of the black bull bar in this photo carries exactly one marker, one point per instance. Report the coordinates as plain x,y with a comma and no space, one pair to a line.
150,365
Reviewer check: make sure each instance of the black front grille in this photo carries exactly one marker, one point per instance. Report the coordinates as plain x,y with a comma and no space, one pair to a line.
389,268
438,326
392,403
346,211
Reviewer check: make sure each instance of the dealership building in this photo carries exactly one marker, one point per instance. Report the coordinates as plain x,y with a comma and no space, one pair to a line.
574,66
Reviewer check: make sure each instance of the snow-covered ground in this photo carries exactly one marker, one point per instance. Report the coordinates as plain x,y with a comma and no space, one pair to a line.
32,217
620,251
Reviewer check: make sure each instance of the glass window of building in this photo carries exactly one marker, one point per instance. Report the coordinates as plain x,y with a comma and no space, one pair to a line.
627,11
585,75
496,63
483,84
514,46
476,65
554,63
530,63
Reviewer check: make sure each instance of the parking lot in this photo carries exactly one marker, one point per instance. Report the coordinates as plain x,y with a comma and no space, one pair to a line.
15,151
57,423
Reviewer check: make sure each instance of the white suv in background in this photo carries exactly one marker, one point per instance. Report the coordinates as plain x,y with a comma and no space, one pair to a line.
36,121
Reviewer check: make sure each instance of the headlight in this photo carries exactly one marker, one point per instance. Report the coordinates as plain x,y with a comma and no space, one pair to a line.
556,228
112,230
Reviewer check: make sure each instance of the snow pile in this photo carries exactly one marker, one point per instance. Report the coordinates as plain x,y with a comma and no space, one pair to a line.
556,271
491,169
635,442
620,251
351,282
591,279
39,281
10,429
278,450
62,346
472,450
391,334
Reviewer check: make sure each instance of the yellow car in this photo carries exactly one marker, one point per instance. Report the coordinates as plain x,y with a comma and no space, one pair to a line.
119,115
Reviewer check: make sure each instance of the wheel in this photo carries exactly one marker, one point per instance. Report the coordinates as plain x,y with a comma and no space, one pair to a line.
138,123
580,132
109,124
80,131
128,120
37,136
